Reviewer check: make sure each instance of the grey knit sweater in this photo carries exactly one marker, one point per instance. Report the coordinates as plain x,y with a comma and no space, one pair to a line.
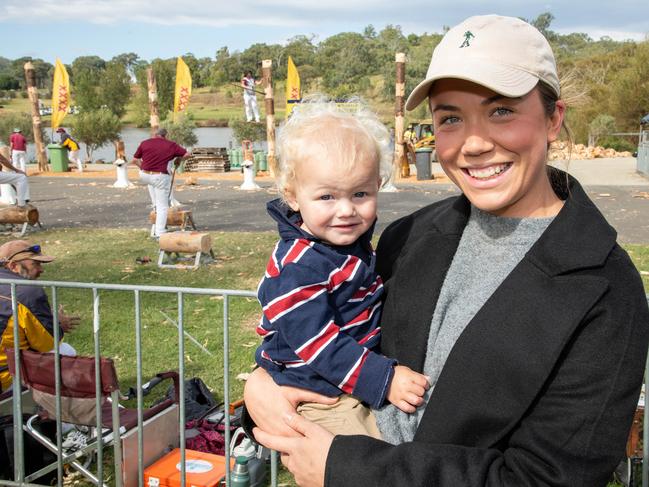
489,249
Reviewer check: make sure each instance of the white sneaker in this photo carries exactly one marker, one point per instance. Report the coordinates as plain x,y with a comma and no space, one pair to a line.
75,440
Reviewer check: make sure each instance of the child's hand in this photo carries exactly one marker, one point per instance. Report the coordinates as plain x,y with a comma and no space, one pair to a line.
407,389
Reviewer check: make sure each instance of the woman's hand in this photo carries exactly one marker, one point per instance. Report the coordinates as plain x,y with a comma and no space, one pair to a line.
269,403
306,455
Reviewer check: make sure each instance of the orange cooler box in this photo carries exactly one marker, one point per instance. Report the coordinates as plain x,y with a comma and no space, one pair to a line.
202,470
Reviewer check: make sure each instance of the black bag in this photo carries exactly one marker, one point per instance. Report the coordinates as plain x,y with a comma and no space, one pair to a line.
198,398
36,455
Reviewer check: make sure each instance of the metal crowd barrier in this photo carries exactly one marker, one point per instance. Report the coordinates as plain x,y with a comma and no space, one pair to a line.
19,466
19,470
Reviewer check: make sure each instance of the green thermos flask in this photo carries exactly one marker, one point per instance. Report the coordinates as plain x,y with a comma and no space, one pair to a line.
240,477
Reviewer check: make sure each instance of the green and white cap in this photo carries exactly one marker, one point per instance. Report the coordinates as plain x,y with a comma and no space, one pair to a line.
504,54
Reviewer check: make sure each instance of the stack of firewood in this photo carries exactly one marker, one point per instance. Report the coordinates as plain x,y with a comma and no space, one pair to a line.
208,159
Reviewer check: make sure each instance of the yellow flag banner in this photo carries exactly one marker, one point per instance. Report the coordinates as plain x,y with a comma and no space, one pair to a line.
60,94
183,86
292,87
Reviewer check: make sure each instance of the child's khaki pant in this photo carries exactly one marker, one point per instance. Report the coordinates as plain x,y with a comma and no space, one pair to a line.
347,417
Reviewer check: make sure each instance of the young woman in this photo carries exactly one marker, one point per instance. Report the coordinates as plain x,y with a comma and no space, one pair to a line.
514,298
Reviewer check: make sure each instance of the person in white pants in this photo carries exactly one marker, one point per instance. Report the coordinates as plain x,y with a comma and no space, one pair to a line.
18,145
17,178
153,157
249,96
74,154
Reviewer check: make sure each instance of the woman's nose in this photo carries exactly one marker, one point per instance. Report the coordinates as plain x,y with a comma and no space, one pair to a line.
476,144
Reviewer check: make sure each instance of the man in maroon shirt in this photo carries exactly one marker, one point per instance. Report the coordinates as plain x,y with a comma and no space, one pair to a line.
155,158
18,145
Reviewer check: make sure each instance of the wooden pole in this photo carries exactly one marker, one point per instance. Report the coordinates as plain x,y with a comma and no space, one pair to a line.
400,158
120,150
32,91
154,117
266,70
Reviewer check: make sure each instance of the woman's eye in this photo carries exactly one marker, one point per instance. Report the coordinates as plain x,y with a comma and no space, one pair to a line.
449,119
326,197
503,111
360,194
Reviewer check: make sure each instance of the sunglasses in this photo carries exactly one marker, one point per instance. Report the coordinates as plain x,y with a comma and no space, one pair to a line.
34,249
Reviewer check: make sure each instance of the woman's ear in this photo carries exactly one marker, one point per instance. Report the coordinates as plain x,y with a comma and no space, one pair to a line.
555,121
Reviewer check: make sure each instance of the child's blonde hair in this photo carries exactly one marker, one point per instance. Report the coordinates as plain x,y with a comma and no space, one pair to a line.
302,137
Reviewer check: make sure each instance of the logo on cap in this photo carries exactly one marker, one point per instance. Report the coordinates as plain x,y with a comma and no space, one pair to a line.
468,35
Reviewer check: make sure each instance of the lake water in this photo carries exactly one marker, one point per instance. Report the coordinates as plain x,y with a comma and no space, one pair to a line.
207,137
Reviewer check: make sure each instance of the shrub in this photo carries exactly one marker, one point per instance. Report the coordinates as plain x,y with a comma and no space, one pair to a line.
182,130
96,129
617,143
251,131
10,121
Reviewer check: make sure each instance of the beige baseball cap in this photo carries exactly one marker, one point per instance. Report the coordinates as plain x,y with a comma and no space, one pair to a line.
504,54
17,250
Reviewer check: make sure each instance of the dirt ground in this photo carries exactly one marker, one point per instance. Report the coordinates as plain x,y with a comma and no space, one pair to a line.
89,200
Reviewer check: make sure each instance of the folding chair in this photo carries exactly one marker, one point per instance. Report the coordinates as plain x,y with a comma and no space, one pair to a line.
78,404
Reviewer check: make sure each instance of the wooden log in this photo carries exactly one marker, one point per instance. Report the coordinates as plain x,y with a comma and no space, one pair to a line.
400,158
32,92
154,118
175,216
269,103
14,214
120,150
186,242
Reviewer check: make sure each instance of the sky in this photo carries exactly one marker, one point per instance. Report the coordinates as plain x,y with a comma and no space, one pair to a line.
48,29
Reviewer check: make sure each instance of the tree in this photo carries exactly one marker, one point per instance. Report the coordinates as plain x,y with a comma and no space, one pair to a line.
96,128
85,77
542,23
115,88
344,60
601,125
85,91
225,69
303,52
165,76
42,70
8,82
129,60
630,93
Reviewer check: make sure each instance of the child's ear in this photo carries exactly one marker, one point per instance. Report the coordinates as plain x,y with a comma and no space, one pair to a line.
289,197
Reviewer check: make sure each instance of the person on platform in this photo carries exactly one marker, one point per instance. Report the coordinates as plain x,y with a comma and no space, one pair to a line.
156,158
513,297
248,82
74,154
18,179
22,259
18,146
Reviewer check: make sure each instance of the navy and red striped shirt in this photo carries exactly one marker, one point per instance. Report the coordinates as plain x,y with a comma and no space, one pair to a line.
321,311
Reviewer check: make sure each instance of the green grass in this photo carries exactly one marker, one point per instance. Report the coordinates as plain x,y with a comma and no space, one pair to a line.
640,256
108,256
